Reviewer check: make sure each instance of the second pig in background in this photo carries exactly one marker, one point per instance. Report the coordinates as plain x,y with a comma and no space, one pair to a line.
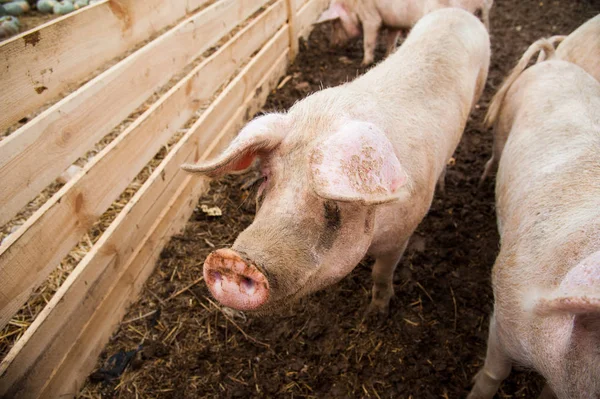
350,18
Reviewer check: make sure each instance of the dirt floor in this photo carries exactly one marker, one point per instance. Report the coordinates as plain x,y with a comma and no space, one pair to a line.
175,342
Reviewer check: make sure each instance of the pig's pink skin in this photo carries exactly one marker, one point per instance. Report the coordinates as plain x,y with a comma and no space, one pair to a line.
350,17
363,163
233,282
581,47
403,120
546,278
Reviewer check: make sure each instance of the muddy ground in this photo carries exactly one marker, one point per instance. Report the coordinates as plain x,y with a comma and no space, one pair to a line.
176,343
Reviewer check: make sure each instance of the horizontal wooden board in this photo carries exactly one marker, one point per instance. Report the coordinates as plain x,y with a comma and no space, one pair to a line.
48,236
298,4
308,14
33,156
74,303
41,63
121,284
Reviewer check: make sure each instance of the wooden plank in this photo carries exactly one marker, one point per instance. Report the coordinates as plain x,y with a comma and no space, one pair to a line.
37,153
41,63
298,4
308,15
178,104
120,285
293,35
50,234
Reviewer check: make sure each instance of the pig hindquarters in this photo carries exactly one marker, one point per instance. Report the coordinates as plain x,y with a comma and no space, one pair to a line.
350,170
581,47
546,278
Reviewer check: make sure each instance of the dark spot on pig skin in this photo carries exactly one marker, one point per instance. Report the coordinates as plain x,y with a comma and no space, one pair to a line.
333,221
368,222
40,89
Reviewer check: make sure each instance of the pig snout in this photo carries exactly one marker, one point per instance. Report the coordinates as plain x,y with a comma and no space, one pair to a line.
234,282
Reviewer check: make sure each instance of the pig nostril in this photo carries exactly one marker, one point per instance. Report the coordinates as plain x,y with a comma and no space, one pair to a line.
247,285
216,276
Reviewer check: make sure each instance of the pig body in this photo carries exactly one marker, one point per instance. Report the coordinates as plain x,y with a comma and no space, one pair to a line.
350,170
351,16
581,47
546,278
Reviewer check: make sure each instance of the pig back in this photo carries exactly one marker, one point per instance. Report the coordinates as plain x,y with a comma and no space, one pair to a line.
424,92
548,182
582,47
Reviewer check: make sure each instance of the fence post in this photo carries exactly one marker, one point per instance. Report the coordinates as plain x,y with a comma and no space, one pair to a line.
292,31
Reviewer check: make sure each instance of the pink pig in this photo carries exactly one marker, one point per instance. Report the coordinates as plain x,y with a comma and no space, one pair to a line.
351,16
350,170
581,47
546,278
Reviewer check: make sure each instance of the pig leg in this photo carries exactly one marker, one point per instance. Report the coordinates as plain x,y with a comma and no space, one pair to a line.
441,183
547,393
370,31
383,276
391,40
485,16
496,368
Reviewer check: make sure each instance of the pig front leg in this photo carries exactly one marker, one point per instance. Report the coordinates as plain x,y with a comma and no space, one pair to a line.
547,393
496,368
370,31
391,40
383,280
441,183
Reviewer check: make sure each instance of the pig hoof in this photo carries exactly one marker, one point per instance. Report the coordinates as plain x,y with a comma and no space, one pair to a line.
376,315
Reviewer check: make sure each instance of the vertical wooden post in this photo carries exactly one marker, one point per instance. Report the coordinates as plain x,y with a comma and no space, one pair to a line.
292,31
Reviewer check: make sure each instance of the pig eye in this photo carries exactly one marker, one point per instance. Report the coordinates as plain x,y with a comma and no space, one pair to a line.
260,191
262,186
333,218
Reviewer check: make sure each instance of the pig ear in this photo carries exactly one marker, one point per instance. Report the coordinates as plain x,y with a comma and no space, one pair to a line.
259,136
578,293
334,11
357,164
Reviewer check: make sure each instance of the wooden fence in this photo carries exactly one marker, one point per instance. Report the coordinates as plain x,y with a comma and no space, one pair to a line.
256,40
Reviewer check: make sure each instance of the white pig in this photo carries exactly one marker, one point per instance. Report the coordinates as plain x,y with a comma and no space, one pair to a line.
546,278
581,47
350,170
351,16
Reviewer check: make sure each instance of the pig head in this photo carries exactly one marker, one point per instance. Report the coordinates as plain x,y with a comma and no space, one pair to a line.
321,183
345,23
